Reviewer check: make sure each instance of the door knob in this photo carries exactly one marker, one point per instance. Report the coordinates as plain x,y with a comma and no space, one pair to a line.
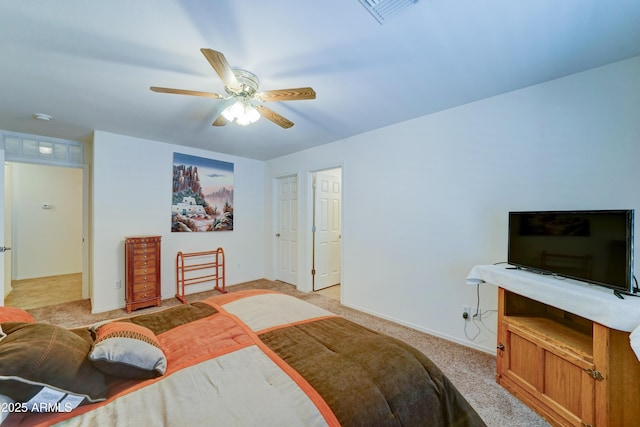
4,249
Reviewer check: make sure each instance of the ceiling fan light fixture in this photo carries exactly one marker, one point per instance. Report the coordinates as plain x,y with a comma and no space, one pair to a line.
232,111
252,113
242,112
243,121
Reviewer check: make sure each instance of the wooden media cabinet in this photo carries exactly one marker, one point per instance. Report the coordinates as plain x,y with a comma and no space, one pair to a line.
564,347
572,371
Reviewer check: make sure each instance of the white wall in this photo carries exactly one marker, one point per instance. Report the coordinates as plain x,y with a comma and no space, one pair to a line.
427,199
131,189
46,242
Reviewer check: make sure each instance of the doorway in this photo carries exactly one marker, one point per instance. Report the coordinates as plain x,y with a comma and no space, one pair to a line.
326,238
45,208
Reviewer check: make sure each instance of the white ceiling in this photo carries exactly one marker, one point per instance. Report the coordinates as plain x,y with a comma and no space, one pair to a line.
89,63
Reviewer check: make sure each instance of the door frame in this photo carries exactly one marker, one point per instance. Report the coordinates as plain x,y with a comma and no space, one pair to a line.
86,289
2,238
308,249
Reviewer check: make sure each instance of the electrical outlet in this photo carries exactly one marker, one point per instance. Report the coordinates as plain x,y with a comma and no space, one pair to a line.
473,312
466,312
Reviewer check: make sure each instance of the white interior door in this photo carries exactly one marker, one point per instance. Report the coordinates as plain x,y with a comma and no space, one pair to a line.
328,200
287,230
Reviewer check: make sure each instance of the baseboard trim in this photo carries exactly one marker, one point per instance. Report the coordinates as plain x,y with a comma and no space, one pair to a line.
488,350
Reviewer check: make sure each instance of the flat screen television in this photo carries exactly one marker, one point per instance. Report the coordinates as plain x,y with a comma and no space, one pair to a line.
592,246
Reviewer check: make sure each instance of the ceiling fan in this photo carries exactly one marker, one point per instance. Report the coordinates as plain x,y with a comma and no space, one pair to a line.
243,101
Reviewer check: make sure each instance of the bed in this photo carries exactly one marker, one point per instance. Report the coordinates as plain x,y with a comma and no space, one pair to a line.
240,359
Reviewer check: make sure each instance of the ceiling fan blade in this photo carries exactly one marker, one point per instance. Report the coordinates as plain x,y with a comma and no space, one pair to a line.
287,94
220,107
274,117
185,92
219,121
222,67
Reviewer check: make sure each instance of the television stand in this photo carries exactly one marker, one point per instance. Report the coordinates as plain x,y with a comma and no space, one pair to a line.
563,348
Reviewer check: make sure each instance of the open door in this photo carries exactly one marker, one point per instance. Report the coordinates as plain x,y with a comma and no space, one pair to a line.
327,248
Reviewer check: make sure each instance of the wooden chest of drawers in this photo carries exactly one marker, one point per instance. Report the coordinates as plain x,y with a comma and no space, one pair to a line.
142,272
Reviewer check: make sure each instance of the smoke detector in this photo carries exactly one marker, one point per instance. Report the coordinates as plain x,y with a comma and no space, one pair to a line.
43,117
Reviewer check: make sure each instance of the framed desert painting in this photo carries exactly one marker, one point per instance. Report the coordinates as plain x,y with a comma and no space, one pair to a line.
202,194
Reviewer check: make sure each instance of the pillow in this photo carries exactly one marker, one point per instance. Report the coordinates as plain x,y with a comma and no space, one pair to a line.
42,364
13,314
127,350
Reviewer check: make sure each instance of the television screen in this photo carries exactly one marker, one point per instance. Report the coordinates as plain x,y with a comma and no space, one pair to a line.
593,246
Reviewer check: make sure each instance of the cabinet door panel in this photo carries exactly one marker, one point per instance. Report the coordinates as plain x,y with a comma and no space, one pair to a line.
558,382
522,360
569,387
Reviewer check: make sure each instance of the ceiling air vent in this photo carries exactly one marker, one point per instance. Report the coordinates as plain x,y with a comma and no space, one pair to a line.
382,10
